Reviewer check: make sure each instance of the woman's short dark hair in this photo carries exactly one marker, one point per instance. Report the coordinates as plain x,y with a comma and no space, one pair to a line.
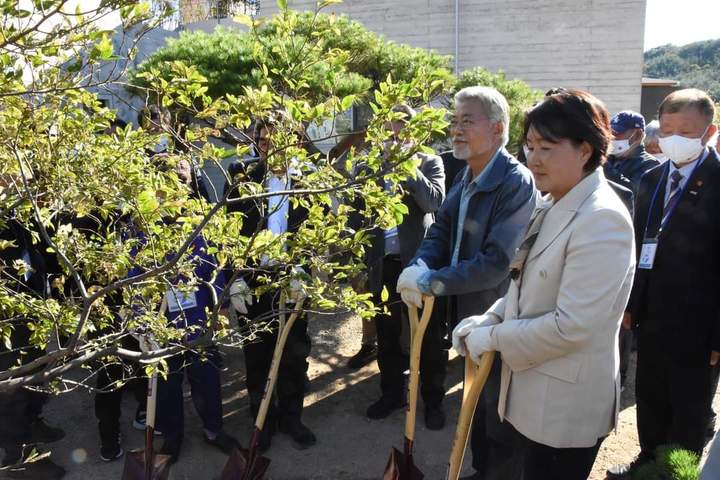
576,116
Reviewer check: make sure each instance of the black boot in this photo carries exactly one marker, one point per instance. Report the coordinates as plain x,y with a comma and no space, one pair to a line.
301,435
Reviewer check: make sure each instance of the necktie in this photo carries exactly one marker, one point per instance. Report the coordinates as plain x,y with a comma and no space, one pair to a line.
518,263
674,196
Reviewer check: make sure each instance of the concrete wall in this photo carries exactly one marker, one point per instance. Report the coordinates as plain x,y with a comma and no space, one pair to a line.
596,45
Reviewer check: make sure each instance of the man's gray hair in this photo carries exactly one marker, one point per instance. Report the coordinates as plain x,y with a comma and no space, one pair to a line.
652,132
493,104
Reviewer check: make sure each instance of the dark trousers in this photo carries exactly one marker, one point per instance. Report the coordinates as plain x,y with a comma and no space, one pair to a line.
108,398
493,443
626,342
203,375
21,407
290,386
541,462
673,401
392,361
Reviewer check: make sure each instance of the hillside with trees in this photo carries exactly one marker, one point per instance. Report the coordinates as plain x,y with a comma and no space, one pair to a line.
693,65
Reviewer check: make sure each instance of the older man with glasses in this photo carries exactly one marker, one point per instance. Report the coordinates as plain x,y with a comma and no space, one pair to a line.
466,254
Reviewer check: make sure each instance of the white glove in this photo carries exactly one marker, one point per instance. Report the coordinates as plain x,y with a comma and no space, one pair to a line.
296,290
478,342
466,327
240,296
409,276
411,298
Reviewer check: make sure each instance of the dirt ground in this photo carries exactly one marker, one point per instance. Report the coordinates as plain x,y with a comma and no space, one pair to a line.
350,446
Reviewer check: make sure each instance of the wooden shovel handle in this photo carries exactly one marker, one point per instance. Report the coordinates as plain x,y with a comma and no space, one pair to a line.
475,378
283,332
417,332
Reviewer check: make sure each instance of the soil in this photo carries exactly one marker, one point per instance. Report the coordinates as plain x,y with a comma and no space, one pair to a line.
350,446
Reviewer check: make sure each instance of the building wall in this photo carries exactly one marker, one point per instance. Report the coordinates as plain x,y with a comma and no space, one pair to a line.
596,45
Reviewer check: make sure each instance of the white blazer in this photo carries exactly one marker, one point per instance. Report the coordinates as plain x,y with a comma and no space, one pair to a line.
558,329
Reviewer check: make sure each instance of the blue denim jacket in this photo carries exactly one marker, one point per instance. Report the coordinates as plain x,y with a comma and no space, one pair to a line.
497,209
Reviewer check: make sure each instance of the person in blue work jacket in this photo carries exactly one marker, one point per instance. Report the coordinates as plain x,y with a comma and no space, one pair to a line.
187,309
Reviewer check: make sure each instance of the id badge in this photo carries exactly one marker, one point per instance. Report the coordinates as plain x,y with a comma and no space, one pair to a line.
177,300
647,254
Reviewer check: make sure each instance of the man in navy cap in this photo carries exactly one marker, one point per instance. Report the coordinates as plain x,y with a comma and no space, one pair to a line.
626,164
628,160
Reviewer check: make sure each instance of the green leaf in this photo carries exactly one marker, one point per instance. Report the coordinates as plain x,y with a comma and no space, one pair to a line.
384,295
147,202
244,19
282,4
347,102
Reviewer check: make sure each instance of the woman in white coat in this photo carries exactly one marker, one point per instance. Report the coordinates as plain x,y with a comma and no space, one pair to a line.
556,328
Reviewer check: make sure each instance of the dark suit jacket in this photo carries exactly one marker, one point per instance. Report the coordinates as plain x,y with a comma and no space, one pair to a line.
453,166
497,217
255,211
677,302
625,194
425,194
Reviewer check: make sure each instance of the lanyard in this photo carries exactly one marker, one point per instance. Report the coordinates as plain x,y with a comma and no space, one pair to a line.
663,179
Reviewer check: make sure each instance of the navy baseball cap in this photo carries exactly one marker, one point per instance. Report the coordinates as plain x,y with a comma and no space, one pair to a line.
623,121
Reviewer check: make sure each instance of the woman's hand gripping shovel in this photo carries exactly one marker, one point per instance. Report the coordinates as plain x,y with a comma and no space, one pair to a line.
475,378
249,464
146,464
400,466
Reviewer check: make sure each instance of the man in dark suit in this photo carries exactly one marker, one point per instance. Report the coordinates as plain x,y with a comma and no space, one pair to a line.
389,253
674,302
277,214
453,166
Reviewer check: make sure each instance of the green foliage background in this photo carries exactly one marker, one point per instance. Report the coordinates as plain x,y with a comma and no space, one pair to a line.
694,65
356,59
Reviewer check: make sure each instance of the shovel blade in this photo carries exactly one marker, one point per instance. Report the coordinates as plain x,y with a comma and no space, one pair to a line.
245,465
134,468
401,467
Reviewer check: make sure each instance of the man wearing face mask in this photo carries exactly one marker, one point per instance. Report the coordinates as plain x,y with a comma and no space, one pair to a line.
674,302
628,160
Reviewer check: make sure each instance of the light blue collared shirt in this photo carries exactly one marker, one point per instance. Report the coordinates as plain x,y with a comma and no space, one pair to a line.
469,187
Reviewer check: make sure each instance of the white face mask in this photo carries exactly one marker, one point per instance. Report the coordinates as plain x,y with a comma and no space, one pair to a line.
620,146
681,149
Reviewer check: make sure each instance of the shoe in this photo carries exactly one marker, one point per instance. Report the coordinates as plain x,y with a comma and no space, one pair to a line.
365,355
474,476
111,452
43,469
139,423
223,442
626,471
139,420
301,435
384,407
434,417
41,432
710,430
172,448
